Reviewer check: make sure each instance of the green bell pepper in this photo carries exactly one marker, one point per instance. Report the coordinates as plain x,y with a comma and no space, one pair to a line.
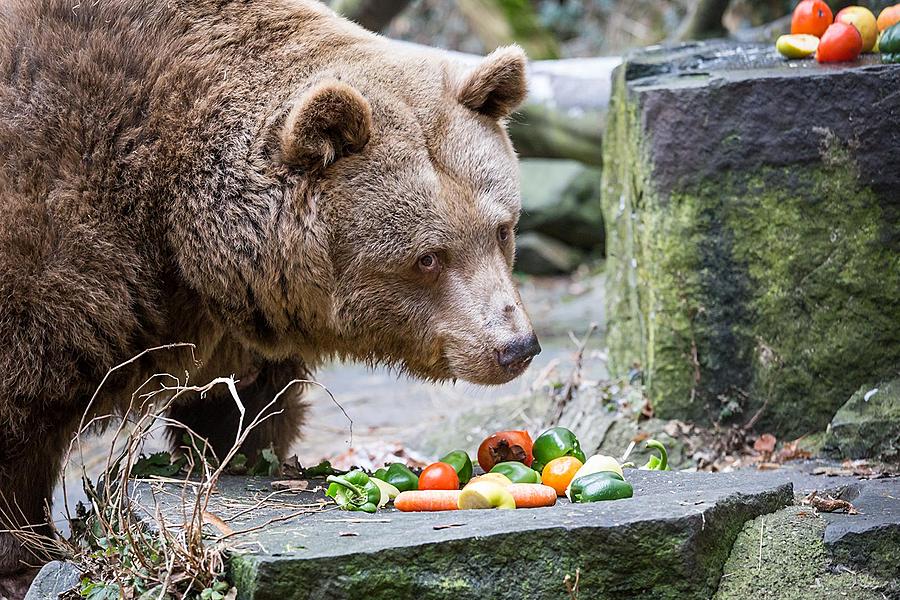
889,44
657,463
517,472
399,476
603,485
461,463
354,491
554,443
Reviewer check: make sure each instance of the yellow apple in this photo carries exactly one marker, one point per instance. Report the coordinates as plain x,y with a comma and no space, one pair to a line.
485,494
864,21
797,45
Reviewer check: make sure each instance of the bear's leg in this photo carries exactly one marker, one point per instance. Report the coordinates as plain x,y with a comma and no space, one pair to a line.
215,417
29,467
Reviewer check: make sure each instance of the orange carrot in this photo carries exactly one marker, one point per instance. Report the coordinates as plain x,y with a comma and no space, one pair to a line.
427,500
532,495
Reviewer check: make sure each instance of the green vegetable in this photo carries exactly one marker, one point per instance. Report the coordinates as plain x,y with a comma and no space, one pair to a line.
603,485
354,491
322,469
461,463
517,472
889,44
554,443
657,463
388,492
399,476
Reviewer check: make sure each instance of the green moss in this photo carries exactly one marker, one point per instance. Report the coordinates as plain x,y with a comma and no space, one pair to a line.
623,186
782,557
773,286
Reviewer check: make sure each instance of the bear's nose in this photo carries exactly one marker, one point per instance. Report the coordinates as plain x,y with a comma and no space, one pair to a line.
519,353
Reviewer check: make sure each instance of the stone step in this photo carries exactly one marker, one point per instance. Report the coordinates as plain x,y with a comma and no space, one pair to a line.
670,541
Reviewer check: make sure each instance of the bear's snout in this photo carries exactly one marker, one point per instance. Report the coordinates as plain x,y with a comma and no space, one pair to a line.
515,357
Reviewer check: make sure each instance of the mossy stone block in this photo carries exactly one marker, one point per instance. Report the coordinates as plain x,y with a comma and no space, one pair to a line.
752,209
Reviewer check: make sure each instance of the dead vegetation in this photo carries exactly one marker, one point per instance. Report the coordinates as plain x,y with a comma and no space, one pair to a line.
131,550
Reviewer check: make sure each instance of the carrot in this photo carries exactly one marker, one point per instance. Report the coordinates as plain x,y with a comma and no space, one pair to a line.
532,495
427,500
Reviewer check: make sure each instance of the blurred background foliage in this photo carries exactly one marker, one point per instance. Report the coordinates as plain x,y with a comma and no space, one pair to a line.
567,28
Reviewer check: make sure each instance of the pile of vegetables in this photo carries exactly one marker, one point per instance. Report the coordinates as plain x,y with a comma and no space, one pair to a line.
841,38
518,473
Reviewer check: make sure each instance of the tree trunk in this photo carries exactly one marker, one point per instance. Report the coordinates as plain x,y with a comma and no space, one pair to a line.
374,15
704,20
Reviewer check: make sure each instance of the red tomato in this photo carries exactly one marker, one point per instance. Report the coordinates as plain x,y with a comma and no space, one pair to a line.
841,43
812,17
505,446
439,476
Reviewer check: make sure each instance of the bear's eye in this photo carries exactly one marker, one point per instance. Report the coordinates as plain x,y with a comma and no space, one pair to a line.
503,233
428,263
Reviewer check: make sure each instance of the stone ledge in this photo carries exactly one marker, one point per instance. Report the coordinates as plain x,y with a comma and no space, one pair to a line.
670,541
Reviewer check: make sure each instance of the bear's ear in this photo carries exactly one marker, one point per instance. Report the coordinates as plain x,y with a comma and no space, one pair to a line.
327,122
497,86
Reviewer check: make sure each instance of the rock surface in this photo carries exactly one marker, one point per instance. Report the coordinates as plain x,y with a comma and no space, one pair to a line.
799,553
782,557
561,199
869,541
868,425
752,243
538,254
53,579
669,541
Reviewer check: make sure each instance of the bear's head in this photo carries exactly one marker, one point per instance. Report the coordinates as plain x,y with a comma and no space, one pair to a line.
416,182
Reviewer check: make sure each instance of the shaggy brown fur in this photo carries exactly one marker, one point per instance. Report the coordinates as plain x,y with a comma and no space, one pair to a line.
262,179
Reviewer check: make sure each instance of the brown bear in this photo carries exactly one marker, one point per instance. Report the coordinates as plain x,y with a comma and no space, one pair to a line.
265,180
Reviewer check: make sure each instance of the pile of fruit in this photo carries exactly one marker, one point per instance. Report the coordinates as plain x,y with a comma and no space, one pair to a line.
518,473
841,38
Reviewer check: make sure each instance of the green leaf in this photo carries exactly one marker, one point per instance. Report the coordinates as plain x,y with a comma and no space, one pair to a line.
158,465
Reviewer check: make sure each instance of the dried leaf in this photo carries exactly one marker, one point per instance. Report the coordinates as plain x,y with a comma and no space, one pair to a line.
791,451
765,443
829,504
768,466
294,485
218,523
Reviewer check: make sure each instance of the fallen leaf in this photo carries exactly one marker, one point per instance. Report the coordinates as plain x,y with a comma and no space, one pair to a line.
218,523
294,485
791,451
768,466
829,504
765,443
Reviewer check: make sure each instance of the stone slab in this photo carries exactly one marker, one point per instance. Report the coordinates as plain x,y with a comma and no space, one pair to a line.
752,207
870,540
669,541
